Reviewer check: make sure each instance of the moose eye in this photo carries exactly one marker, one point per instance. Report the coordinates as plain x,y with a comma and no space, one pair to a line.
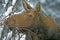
30,15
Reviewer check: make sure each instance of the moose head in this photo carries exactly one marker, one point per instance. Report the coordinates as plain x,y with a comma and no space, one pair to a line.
27,18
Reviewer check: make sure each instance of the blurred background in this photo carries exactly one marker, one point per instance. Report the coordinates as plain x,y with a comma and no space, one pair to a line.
50,8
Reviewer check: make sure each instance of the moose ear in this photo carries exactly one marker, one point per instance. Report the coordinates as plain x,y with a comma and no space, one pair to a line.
38,7
26,5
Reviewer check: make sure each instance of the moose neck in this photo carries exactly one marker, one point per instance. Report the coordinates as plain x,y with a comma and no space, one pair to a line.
48,22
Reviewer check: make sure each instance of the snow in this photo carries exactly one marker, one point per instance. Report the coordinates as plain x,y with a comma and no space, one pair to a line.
9,35
13,2
23,36
9,10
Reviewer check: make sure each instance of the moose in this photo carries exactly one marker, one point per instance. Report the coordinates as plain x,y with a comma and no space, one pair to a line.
33,19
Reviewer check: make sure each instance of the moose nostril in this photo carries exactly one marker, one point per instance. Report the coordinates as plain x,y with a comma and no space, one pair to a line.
6,22
11,28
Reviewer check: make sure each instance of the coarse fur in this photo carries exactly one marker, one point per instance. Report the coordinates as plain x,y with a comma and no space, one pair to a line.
33,19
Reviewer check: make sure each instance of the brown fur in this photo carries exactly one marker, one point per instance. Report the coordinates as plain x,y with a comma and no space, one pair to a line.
32,17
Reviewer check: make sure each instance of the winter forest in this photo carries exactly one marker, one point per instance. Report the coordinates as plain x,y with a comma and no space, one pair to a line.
29,19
